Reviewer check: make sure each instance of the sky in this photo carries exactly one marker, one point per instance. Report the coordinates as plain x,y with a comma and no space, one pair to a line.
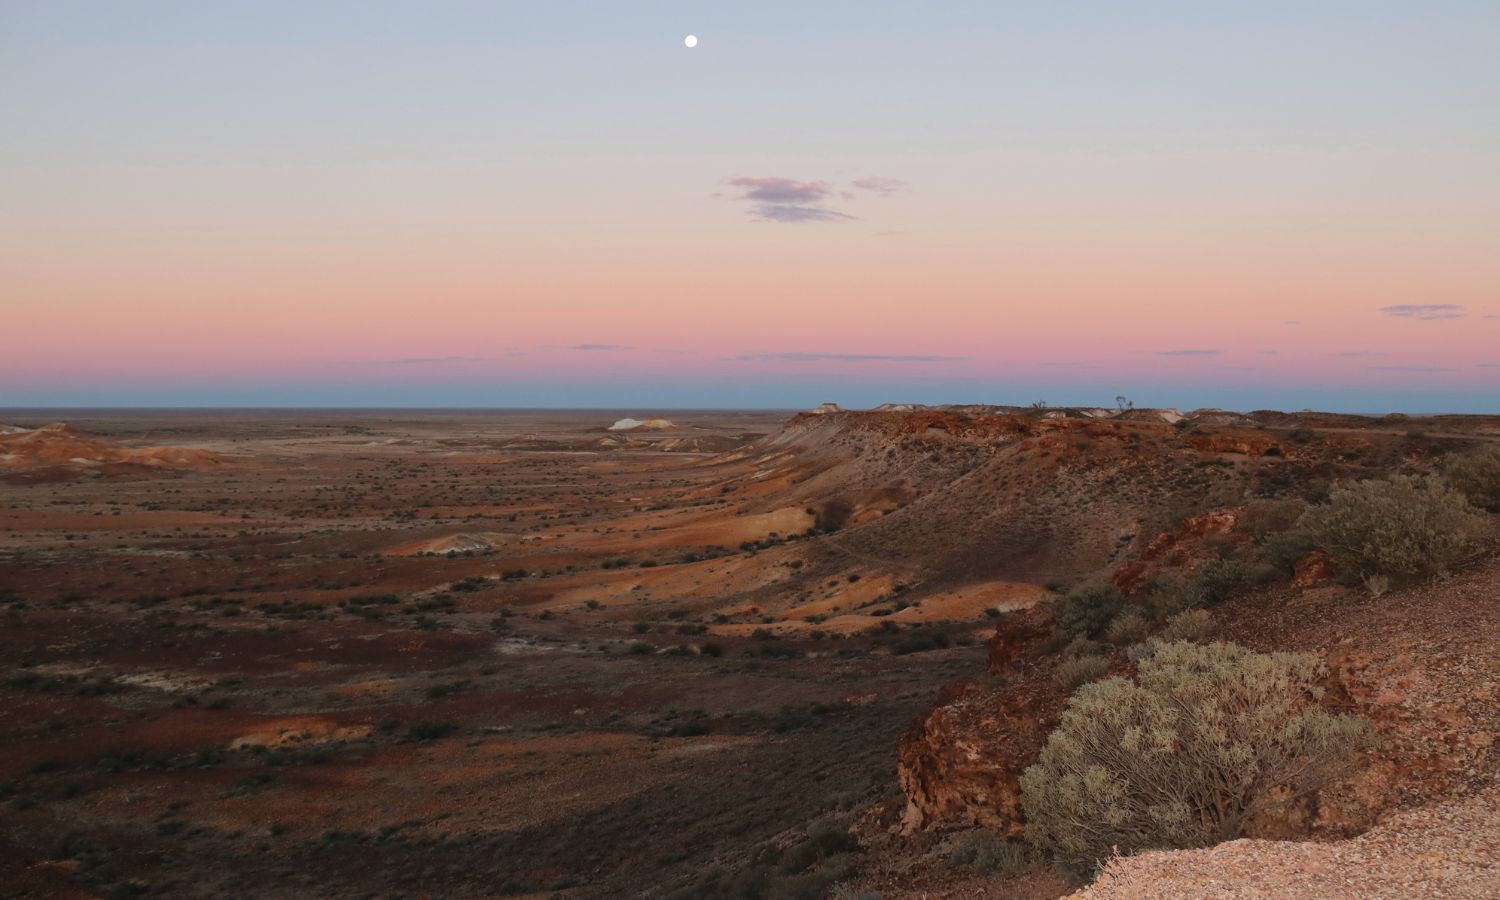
1244,205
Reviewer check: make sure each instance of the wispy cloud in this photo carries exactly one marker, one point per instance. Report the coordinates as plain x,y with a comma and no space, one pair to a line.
1427,312
1488,365
788,200
879,185
782,212
1189,352
1291,322
590,347
1411,368
1269,352
820,356
413,361
772,189
1363,354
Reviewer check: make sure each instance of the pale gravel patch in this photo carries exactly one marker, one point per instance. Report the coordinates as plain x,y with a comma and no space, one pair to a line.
1445,850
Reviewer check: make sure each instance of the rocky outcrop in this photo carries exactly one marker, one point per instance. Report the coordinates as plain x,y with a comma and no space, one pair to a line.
1314,568
1247,443
1174,550
962,763
1017,635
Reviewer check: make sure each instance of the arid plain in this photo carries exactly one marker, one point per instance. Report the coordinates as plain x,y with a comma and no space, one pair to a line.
379,653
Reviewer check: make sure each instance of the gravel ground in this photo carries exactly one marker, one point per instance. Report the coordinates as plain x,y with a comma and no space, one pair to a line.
1447,850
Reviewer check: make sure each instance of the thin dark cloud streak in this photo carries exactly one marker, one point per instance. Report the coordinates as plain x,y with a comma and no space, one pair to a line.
777,212
876,184
821,356
414,361
1425,312
1189,352
590,347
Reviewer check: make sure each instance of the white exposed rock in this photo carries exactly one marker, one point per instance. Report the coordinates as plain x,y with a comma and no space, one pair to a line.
653,424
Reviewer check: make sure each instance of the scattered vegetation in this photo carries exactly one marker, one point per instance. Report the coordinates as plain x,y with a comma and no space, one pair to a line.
1205,739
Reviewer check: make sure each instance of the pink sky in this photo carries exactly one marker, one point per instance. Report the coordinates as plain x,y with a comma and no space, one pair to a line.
1053,199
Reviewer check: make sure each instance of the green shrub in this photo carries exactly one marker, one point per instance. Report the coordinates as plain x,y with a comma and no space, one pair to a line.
1219,579
1402,527
1086,611
1207,737
1128,627
1082,646
984,852
1173,592
1264,518
1189,625
1072,672
1283,551
1476,475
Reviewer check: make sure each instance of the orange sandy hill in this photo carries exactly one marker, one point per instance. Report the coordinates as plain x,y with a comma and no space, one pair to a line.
59,445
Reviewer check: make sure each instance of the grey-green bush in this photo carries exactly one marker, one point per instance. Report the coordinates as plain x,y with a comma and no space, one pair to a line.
1207,737
984,852
1128,627
1172,592
1476,475
1087,610
1073,671
1189,625
1405,526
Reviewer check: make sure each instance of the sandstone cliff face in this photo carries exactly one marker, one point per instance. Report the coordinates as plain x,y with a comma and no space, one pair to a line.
962,763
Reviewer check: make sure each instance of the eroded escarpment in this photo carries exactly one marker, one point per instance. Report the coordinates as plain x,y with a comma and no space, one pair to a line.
1418,661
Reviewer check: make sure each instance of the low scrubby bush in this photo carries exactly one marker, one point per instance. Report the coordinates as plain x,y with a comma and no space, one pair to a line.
1206,738
1072,672
1476,475
1265,518
1128,627
984,852
1086,611
1401,527
1173,592
1189,625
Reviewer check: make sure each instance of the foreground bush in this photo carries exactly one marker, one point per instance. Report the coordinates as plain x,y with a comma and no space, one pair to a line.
1403,527
1208,737
1477,476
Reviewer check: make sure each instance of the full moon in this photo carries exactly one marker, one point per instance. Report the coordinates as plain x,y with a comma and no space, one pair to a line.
690,41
